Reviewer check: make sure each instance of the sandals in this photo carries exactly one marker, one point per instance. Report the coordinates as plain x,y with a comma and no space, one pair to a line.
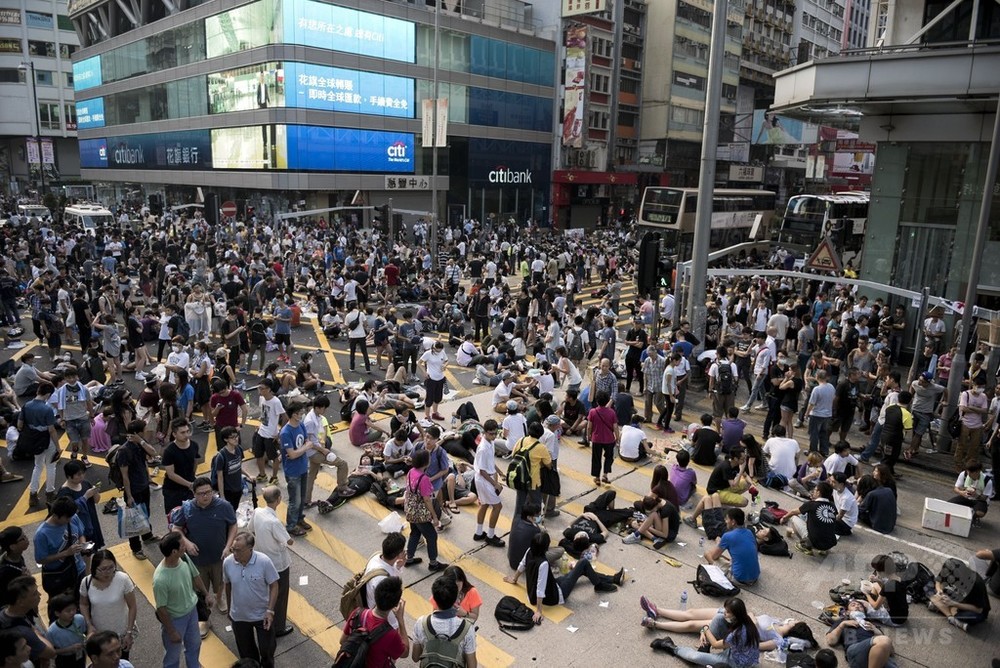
325,507
452,506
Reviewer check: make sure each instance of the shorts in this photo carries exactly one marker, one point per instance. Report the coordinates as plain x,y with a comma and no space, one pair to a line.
211,575
857,654
77,430
921,422
721,403
486,492
434,390
265,446
282,339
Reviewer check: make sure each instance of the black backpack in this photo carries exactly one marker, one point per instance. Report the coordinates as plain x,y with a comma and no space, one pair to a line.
576,345
519,471
353,652
114,460
180,326
726,382
919,582
704,584
513,615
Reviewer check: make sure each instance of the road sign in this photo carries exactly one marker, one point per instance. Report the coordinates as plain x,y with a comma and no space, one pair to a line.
229,209
824,258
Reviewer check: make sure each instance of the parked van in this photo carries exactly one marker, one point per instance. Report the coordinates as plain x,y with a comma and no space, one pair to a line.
88,216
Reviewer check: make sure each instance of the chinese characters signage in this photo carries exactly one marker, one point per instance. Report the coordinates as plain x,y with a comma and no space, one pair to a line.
337,89
407,183
325,26
10,17
90,113
87,73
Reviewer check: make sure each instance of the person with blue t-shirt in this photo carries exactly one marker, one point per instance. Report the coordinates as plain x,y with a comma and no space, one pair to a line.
58,538
744,568
295,448
283,330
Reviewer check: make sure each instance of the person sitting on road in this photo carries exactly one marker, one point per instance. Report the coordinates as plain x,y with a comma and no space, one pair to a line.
816,532
876,505
363,429
573,414
634,446
740,542
660,524
808,474
864,643
739,641
705,443
684,479
960,595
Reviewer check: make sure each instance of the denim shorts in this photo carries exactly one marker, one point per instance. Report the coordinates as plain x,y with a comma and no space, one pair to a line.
77,430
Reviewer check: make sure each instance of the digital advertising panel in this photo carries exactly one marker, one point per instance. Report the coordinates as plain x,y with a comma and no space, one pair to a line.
188,149
249,147
349,150
90,113
87,73
246,88
317,24
337,89
94,153
575,85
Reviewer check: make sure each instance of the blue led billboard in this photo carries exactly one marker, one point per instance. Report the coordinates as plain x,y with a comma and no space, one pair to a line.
90,113
94,153
349,150
324,26
189,149
87,73
336,89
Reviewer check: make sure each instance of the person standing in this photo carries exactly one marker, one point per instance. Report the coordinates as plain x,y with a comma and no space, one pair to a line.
271,538
636,340
652,369
37,427
228,467
20,617
104,649
973,407
295,449
434,362
316,432
180,461
820,412
175,582
357,334
602,434
459,635
252,594
265,441
488,487
135,480
418,502
59,541
76,411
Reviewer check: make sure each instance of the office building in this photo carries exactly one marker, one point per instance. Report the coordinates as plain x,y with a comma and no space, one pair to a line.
38,123
282,103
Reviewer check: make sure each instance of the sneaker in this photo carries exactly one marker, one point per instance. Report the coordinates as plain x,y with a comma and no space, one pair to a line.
659,542
804,548
745,407
86,462
618,578
436,566
691,522
648,622
139,375
297,531
495,541
261,477
668,430
605,587
203,629
223,608
632,538
140,555
273,480
33,500
413,561
648,607
958,624
552,513
479,537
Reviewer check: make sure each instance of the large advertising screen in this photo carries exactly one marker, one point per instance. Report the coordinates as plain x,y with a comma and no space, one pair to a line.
575,85
776,130
246,88
337,89
349,150
324,26
87,73
188,149
249,147
90,113
94,153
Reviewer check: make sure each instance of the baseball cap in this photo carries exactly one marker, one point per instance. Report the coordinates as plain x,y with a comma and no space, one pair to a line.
512,405
553,419
927,375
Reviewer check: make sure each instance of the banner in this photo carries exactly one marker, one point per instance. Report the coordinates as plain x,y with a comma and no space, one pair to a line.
777,130
441,128
575,85
48,152
10,17
427,123
33,157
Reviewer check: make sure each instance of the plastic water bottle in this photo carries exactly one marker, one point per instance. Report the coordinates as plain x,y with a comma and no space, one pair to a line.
781,651
701,542
454,422
684,600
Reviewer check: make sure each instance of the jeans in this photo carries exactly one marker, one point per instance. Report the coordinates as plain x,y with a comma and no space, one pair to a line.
872,442
9,314
523,495
425,529
819,434
757,391
44,461
585,569
596,451
691,655
296,489
187,627
360,343
254,642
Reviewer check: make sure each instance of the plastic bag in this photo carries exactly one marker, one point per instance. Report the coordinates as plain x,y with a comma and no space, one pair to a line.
133,521
244,513
391,523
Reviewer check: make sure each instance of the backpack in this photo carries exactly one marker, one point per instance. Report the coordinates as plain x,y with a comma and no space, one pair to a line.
443,651
919,582
519,471
181,327
513,615
215,471
726,382
30,443
353,651
352,596
705,584
258,331
114,460
775,545
576,345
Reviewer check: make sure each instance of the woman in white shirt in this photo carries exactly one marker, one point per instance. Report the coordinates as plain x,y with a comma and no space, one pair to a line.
568,370
107,599
434,362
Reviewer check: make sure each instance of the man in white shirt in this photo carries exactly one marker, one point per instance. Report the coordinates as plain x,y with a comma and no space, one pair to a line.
388,563
847,505
321,451
501,394
265,440
782,453
177,359
434,362
634,446
488,487
271,538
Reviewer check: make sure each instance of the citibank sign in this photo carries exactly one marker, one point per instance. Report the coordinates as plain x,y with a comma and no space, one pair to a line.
505,175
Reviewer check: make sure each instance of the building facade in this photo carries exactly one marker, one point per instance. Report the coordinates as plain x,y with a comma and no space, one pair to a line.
37,39
283,103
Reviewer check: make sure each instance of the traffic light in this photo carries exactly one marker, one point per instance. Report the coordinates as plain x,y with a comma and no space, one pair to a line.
665,272
211,211
649,256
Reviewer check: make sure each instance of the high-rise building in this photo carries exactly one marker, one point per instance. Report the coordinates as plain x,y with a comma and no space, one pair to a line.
282,103
818,29
603,51
38,123
856,24
673,92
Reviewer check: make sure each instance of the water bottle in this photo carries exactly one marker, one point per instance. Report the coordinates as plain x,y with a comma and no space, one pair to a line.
684,600
781,651
454,422
701,542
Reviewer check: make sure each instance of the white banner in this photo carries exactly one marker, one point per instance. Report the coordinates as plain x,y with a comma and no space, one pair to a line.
441,126
427,123
33,157
48,152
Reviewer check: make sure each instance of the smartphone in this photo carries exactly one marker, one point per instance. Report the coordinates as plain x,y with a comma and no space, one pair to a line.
98,484
88,548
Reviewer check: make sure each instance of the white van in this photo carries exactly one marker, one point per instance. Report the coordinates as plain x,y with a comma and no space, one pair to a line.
26,211
88,217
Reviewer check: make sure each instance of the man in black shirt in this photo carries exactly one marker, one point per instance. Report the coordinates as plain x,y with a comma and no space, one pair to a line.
636,341
960,595
817,530
705,442
13,544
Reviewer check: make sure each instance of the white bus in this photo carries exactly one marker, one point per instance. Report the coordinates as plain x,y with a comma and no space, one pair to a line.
840,217
671,211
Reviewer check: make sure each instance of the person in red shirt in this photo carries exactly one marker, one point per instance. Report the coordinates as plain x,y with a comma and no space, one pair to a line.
391,280
229,409
394,643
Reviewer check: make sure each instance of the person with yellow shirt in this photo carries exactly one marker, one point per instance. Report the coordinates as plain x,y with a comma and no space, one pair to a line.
538,456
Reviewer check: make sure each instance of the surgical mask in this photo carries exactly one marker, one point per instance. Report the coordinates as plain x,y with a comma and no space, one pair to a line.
177,349
782,361
538,519
858,616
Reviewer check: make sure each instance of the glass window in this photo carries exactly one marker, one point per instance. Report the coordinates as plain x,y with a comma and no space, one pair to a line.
67,50
69,79
11,75
530,59
240,29
44,78
41,49
546,68
516,68
70,111
65,23
933,183
48,114
498,59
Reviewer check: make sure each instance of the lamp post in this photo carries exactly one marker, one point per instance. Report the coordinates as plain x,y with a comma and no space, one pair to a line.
29,67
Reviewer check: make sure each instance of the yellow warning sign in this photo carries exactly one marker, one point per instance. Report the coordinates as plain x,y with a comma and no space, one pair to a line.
825,258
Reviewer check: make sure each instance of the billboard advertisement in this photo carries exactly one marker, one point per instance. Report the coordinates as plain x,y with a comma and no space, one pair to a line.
90,113
87,73
94,153
853,158
350,150
575,85
246,88
324,26
337,89
249,147
777,130
188,149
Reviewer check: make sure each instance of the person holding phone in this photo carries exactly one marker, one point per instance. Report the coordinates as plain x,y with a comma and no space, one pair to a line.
86,495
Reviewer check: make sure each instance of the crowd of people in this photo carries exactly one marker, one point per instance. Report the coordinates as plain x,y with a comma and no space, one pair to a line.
199,313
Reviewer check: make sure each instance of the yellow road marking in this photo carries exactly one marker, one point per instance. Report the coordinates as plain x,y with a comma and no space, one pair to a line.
331,361
313,624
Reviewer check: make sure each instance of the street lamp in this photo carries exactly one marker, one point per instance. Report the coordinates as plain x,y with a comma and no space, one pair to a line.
26,67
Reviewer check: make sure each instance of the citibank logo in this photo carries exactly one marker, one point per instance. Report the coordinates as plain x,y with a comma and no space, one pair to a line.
506,175
102,152
397,152
126,155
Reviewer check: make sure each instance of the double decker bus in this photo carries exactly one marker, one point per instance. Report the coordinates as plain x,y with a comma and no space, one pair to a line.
841,217
671,211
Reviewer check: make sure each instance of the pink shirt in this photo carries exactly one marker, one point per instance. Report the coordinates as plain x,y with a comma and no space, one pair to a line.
603,420
419,481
